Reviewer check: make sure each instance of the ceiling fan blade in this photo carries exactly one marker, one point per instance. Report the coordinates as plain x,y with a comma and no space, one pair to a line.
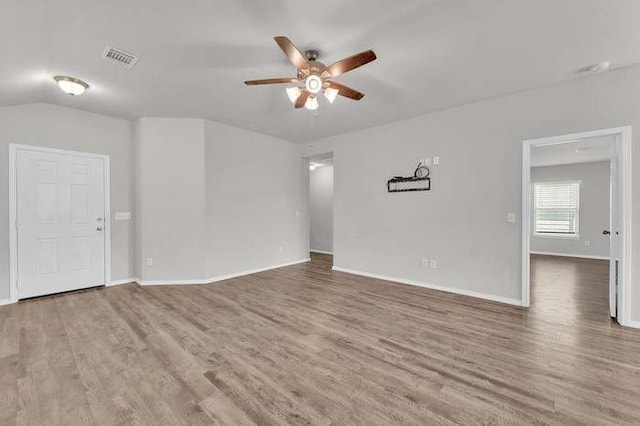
302,99
271,81
349,64
346,91
292,52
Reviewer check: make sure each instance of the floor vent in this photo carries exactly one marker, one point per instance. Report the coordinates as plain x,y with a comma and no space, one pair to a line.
118,56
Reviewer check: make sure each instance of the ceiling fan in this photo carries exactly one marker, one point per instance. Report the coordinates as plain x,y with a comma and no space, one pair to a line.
314,77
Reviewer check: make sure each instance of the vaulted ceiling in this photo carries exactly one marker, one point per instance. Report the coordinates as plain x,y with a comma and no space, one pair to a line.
195,54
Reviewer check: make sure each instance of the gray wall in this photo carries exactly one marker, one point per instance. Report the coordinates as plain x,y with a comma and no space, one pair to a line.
64,128
321,208
594,209
214,200
462,221
170,198
254,216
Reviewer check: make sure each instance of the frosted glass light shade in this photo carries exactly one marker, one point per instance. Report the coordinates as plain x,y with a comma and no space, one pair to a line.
71,86
330,93
311,104
313,83
293,93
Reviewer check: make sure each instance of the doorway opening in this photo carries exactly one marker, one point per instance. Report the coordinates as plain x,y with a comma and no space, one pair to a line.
321,208
576,225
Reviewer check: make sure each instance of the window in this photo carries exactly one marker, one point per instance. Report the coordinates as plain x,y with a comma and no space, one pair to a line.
556,209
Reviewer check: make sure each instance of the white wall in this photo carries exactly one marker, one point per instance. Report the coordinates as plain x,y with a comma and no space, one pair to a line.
594,208
65,128
170,198
321,208
462,221
253,201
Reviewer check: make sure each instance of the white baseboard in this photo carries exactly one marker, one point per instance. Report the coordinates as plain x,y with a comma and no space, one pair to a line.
634,324
120,282
494,298
6,302
322,252
579,256
220,277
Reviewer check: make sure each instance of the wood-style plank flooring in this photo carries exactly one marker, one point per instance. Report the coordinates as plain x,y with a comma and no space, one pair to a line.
305,345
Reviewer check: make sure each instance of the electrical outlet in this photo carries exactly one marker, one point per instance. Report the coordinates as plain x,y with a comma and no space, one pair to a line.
425,161
434,264
436,160
424,262
149,261
587,243
511,217
280,249
297,213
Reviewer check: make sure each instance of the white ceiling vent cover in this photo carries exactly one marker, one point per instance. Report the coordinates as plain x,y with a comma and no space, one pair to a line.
119,56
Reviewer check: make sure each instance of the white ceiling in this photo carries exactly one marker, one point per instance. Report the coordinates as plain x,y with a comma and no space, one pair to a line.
580,151
195,54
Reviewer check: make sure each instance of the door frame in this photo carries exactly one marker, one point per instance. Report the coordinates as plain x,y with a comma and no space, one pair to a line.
623,153
13,207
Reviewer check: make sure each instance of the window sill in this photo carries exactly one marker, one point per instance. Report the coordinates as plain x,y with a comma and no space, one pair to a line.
557,236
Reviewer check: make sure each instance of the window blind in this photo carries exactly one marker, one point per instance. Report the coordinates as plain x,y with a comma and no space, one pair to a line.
556,208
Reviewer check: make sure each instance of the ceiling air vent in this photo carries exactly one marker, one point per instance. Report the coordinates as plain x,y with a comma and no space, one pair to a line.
118,56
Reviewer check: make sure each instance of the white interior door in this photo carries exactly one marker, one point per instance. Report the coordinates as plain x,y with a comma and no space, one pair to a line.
615,242
60,222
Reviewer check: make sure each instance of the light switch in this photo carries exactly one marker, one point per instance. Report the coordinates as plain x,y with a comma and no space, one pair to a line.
123,215
511,217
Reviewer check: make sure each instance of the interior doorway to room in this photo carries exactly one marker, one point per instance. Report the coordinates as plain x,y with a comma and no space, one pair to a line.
58,208
321,207
575,222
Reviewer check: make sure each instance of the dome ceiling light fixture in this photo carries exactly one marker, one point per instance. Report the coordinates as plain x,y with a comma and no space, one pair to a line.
314,77
71,85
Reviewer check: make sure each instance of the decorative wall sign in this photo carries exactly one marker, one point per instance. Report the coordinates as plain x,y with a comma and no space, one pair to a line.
420,181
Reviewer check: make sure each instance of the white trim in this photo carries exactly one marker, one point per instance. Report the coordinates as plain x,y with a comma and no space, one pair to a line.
634,324
121,282
579,256
624,144
471,293
4,302
13,201
107,218
321,252
220,277
13,231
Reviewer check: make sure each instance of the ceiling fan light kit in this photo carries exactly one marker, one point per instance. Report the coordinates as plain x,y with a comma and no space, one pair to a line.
314,77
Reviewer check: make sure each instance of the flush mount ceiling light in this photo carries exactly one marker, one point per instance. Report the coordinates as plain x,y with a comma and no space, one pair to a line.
71,85
314,77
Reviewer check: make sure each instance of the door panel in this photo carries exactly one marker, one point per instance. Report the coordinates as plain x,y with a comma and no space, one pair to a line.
61,212
615,247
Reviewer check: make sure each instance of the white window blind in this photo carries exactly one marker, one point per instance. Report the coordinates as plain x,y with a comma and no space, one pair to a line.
556,208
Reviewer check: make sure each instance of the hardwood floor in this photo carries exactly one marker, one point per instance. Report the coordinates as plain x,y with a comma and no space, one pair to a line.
305,345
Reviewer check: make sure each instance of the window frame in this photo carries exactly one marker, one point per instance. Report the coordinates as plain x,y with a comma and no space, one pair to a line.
576,235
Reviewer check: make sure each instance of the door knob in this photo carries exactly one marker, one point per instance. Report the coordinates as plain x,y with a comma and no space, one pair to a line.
605,232
99,228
